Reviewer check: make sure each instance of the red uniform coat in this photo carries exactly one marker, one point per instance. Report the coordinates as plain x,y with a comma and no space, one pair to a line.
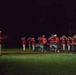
73,41
1,38
23,41
33,42
68,41
63,41
44,40
57,40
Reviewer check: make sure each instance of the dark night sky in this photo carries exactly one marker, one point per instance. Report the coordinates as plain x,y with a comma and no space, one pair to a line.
35,18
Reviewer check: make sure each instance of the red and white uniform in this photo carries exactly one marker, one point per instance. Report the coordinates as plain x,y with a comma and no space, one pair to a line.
33,44
39,41
29,43
63,44
63,41
68,43
1,38
57,39
73,41
52,41
23,43
44,40
49,40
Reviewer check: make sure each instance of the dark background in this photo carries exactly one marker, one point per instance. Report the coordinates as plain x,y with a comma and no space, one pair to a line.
35,18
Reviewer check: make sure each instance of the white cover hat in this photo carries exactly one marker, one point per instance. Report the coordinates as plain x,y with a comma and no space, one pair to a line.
55,35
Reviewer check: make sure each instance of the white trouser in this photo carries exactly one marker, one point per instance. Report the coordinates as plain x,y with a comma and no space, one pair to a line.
33,47
29,46
24,47
63,46
0,48
68,47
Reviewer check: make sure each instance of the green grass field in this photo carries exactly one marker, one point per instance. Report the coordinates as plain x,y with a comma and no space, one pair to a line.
19,62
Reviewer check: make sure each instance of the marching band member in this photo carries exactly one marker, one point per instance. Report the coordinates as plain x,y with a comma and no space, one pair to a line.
33,44
68,43
29,42
1,38
51,42
63,44
56,41
23,43
44,42
73,43
39,40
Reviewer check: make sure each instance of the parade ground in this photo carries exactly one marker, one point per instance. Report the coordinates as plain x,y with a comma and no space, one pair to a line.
28,62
